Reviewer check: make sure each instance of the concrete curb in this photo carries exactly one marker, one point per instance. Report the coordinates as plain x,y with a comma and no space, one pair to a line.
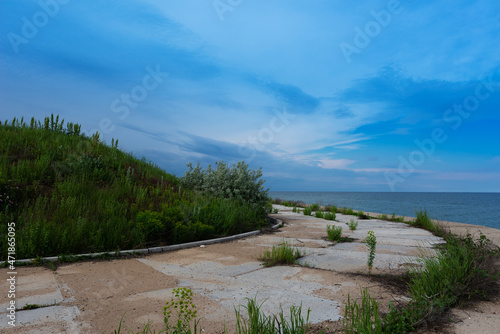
275,223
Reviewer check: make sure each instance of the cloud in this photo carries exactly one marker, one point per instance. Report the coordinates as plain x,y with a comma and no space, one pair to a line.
335,163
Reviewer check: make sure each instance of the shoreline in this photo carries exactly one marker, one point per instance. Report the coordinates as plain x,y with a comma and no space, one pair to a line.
457,228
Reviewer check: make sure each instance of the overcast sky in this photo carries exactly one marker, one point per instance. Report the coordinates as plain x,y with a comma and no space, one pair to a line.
325,95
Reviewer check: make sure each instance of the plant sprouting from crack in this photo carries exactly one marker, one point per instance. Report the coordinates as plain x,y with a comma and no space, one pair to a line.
371,241
182,304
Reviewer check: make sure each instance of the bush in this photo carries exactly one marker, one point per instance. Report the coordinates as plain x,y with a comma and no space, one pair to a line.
318,214
307,211
235,182
334,233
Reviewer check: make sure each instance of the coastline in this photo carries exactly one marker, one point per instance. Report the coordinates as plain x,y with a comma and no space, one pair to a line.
457,228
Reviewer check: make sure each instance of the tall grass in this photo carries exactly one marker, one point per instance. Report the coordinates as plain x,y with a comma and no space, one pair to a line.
71,193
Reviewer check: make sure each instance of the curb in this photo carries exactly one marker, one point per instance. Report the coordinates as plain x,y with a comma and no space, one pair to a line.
275,224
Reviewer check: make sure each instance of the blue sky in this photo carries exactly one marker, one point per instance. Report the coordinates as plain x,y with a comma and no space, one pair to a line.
323,95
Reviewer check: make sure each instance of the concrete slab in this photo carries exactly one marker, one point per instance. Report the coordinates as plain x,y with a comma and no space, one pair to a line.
92,297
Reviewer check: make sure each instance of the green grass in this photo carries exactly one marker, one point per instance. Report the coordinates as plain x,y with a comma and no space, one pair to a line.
283,253
307,211
69,194
329,215
314,207
364,317
334,233
347,211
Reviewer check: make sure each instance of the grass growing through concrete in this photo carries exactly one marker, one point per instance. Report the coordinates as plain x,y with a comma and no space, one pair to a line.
353,225
364,317
258,322
334,233
180,318
283,253
464,269
371,241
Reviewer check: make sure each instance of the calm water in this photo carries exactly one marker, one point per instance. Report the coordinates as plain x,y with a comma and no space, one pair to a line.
470,208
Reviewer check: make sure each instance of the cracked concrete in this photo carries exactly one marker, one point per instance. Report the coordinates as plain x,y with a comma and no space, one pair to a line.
91,297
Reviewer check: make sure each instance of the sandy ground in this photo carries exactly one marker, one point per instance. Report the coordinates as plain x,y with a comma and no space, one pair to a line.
92,297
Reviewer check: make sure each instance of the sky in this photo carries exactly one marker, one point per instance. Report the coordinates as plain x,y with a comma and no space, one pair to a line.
324,95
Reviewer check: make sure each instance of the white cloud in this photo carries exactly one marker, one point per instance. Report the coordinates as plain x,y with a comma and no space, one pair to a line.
335,163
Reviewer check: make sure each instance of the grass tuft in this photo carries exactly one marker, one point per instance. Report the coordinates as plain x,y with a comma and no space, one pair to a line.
283,253
334,233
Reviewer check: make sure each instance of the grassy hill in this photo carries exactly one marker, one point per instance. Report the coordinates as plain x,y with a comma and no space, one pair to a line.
68,193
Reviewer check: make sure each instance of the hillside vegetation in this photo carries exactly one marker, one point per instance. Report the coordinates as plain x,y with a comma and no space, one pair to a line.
68,193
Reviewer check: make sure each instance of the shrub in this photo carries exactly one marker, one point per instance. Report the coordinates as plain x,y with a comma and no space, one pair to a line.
275,211
294,209
307,211
318,214
235,182
334,233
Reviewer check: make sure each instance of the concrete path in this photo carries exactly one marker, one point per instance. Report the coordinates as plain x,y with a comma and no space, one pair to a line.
91,297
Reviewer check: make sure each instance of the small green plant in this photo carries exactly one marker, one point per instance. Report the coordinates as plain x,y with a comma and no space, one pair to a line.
275,211
283,253
307,211
318,214
294,209
329,215
353,225
334,233
182,304
371,241
31,306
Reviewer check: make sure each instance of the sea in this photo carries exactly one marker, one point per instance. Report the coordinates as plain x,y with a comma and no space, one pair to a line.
469,208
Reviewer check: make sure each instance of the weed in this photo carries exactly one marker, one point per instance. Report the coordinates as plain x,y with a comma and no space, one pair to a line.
283,253
371,241
182,305
294,209
334,233
307,211
318,214
364,317
353,225
275,211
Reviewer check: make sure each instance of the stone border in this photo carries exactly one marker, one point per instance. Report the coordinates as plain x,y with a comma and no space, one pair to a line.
274,222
